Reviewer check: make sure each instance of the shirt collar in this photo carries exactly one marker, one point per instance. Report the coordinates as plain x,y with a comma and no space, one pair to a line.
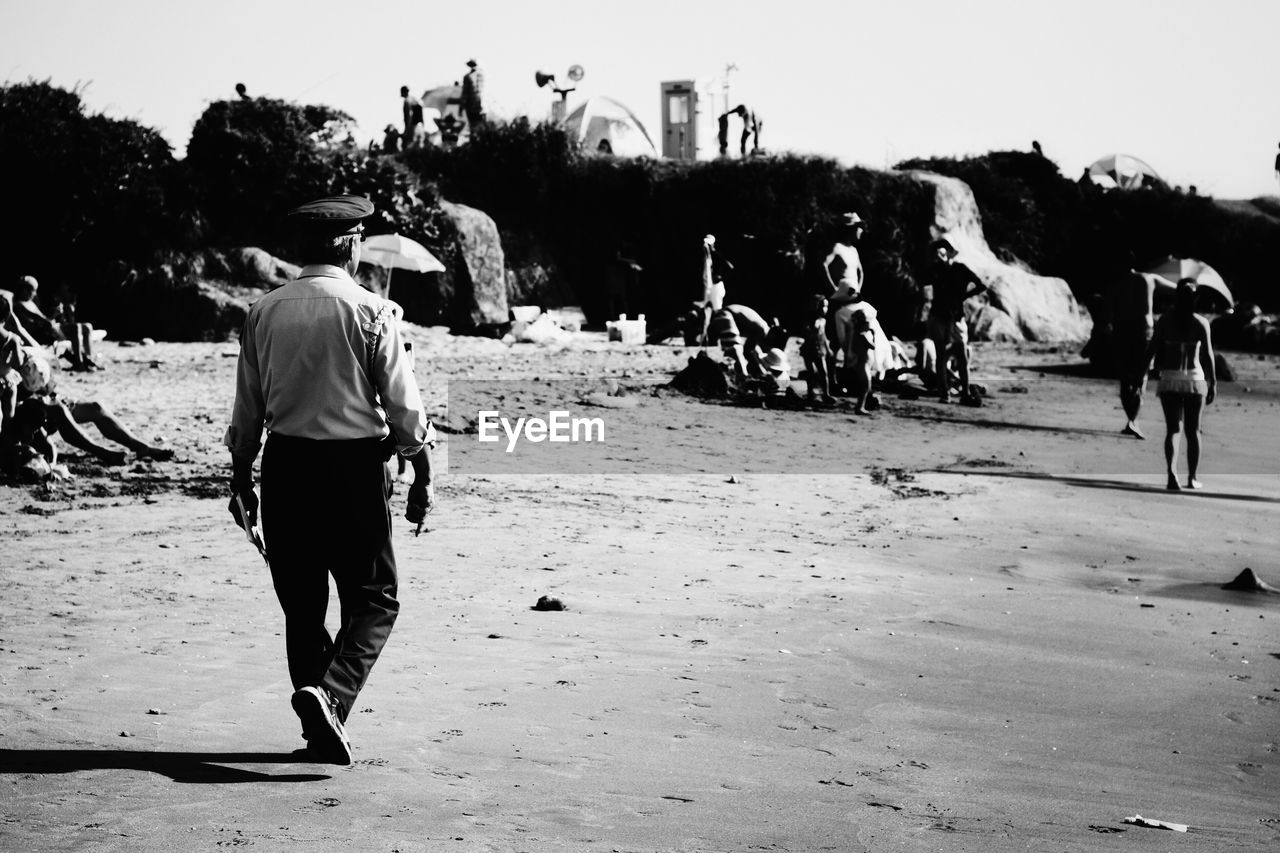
325,271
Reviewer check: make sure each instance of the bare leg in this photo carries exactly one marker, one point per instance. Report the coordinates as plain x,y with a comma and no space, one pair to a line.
862,384
112,429
1193,406
818,382
84,332
1172,405
61,422
1131,401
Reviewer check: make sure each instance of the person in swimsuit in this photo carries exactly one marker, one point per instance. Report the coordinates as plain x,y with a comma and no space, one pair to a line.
1183,353
843,276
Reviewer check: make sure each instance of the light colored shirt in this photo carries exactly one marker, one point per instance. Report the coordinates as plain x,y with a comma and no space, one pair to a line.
322,358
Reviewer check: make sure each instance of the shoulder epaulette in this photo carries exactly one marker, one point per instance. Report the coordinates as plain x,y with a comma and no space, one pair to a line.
380,319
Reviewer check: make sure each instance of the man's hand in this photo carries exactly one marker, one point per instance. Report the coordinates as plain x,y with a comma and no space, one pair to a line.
422,500
249,498
1212,394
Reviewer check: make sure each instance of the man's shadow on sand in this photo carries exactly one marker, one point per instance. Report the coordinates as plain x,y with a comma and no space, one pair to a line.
987,423
1098,483
195,767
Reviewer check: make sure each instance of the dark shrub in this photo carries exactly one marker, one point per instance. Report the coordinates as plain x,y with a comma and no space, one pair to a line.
769,214
85,190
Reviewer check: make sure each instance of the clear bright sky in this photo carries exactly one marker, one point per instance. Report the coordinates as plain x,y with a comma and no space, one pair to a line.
1187,85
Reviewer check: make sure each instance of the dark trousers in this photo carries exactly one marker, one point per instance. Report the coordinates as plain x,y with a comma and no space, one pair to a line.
325,512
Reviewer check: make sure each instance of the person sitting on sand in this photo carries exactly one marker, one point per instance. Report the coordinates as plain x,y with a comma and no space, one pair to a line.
1133,320
73,341
26,452
12,356
1182,350
953,283
65,417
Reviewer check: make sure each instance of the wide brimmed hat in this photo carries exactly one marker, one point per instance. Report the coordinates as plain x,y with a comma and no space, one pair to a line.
851,219
943,243
776,361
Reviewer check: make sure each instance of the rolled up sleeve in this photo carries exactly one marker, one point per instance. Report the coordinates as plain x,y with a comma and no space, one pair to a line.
244,435
398,390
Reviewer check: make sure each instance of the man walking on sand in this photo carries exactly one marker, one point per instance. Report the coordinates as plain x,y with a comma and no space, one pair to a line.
1133,320
323,368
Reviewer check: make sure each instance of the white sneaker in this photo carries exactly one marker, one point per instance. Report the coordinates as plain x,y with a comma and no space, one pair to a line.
325,734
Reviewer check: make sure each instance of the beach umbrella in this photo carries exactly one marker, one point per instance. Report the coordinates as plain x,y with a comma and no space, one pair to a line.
1171,270
393,252
1126,170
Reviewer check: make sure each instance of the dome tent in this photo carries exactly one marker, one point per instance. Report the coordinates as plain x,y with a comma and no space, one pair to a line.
602,125
1122,170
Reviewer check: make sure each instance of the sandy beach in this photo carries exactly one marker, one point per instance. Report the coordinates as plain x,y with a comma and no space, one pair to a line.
932,629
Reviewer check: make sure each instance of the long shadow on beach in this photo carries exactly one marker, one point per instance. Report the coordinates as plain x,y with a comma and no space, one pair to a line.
1003,425
197,767
1119,485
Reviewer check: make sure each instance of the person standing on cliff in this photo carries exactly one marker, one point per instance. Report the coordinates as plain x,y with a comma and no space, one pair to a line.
323,368
751,126
473,94
413,129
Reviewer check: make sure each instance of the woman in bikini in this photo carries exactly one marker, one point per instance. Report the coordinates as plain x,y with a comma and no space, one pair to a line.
1183,355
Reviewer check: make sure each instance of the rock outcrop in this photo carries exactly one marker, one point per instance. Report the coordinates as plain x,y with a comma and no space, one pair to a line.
1020,305
477,283
196,296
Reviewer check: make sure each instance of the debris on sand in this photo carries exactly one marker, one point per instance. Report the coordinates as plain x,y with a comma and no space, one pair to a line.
704,377
1248,581
547,603
1139,820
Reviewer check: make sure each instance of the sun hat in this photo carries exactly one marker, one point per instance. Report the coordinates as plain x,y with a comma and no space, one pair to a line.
776,361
